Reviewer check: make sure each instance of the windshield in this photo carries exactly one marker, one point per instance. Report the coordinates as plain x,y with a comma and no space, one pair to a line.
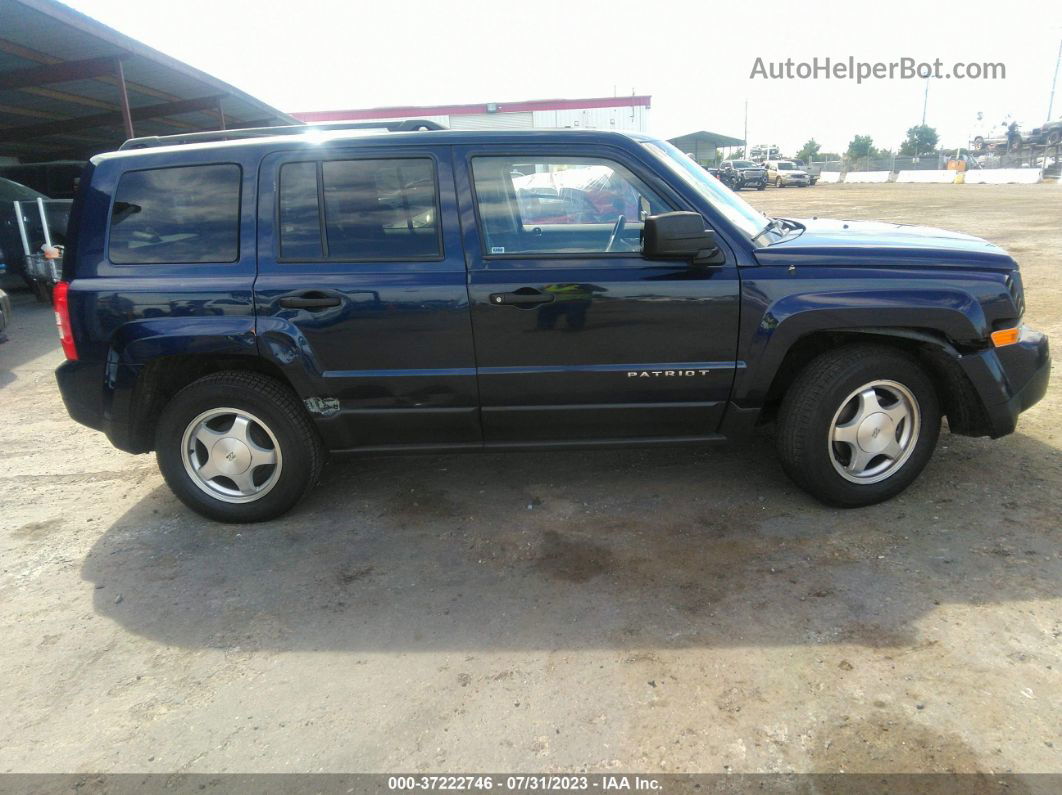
737,211
786,166
742,164
11,191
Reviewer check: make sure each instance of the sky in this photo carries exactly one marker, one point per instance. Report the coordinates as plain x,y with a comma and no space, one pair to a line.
695,59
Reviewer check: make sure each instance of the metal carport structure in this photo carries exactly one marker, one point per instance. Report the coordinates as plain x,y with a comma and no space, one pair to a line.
71,87
703,141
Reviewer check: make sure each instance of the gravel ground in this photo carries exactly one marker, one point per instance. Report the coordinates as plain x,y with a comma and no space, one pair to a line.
664,610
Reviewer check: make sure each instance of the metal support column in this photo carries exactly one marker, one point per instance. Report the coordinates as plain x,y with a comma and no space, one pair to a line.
123,95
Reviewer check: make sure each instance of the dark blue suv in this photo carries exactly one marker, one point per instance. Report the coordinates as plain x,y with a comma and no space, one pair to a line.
244,303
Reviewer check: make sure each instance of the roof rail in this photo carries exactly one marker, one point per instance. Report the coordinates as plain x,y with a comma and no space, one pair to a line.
147,142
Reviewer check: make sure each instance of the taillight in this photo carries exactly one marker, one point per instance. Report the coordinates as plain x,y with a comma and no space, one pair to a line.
61,302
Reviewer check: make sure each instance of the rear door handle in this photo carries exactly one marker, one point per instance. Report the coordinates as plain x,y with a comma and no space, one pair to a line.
309,301
525,296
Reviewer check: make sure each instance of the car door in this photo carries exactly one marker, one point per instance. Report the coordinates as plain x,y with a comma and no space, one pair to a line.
578,337
361,293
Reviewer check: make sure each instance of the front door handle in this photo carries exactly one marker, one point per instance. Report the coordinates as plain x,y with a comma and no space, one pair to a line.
309,301
525,296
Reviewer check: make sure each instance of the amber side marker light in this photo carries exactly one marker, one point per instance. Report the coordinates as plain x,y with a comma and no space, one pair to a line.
1005,336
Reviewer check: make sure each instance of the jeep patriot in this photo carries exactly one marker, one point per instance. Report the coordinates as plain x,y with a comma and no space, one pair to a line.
243,303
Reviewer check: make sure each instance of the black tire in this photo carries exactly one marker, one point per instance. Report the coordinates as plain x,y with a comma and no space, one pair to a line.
778,182
265,398
1053,137
820,391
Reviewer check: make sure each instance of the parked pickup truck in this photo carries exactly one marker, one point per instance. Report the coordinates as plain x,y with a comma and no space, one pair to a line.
738,174
813,172
244,302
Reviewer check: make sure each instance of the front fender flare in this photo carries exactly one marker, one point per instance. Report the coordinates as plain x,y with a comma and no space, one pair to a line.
952,317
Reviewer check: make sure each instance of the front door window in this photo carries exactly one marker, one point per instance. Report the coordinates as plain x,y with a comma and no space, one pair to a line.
560,205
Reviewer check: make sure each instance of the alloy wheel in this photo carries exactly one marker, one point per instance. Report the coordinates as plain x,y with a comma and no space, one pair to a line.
231,454
874,432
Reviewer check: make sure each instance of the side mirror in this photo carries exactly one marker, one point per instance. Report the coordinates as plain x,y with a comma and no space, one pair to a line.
680,235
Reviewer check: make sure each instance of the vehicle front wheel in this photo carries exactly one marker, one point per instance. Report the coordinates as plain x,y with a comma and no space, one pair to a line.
778,182
858,425
238,447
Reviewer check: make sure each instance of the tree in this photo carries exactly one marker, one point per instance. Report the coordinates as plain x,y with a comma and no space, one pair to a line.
861,146
808,151
737,154
921,140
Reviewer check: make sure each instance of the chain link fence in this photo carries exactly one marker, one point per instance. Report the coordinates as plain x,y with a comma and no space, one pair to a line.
1048,158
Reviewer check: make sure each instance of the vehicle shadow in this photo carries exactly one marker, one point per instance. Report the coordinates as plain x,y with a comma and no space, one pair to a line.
661,548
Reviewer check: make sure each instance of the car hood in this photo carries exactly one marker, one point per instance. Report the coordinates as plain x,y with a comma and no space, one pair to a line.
834,242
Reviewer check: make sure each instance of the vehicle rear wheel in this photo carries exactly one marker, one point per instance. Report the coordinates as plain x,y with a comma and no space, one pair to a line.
777,182
238,447
858,425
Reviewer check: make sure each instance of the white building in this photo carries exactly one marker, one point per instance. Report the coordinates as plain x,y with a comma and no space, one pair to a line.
599,113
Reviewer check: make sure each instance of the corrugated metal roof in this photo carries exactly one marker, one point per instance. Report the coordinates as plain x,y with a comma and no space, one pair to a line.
704,140
75,111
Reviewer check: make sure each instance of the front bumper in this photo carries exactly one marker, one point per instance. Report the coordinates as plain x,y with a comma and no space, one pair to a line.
1010,379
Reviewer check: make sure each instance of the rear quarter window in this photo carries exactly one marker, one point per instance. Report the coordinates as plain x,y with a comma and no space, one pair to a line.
185,214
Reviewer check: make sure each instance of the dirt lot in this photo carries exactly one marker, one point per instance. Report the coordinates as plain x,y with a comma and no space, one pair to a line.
667,610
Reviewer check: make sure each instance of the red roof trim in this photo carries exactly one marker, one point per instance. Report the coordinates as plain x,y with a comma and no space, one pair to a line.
368,114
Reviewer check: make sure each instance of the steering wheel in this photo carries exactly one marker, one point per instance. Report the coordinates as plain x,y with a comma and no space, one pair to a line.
617,230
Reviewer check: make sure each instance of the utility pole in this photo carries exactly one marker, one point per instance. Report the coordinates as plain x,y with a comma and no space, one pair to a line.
1054,82
746,153
925,103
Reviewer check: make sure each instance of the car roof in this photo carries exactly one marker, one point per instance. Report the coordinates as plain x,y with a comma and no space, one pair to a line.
313,137
17,192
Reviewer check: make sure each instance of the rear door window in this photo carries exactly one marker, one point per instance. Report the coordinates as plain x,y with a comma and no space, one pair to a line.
185,214
373,209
